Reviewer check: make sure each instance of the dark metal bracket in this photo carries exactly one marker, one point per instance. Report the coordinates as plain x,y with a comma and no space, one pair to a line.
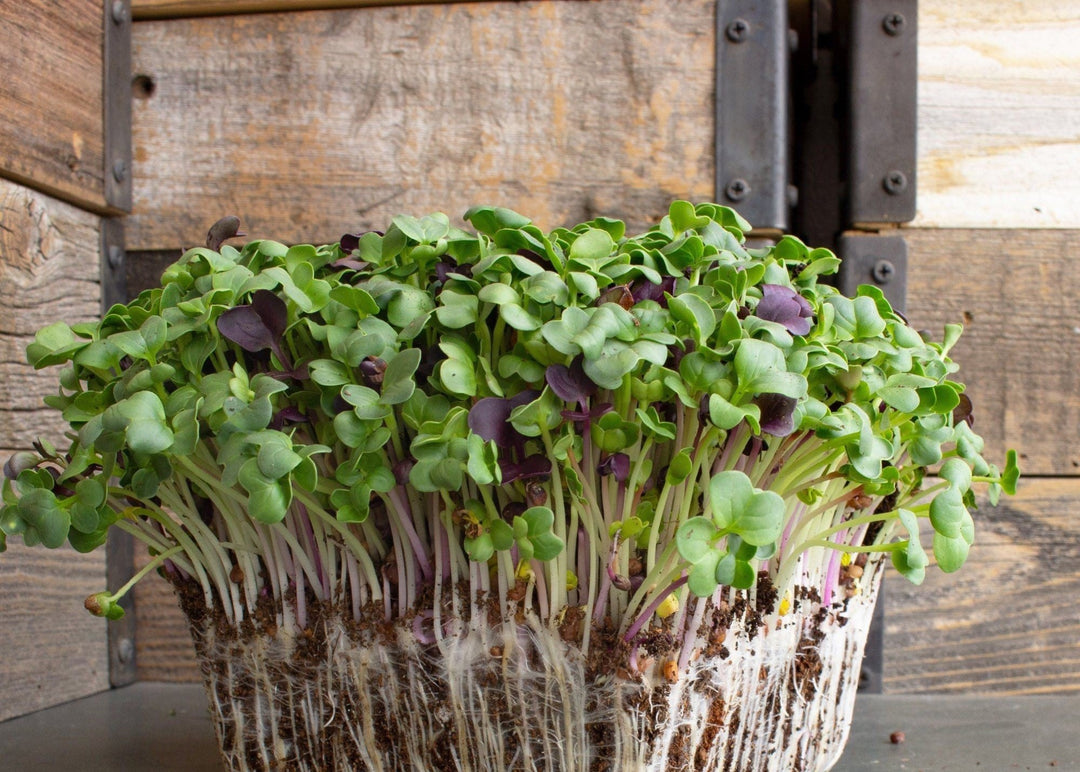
119,549
117,98
753,154
879,42
874,259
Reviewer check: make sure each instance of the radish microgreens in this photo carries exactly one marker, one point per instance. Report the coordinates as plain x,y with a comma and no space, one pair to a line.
574,418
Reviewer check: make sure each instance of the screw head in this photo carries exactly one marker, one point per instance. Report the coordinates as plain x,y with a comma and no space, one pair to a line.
119,170
737,30
125,651
116,256
895,182
883,271
119,12
894,23
737,189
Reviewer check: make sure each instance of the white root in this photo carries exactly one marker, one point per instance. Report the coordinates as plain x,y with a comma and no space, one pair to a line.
779,697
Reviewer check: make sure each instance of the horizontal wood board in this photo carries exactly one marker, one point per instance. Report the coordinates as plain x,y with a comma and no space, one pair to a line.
1007,622
1018,294
54,650
172,9
308,125
999,114
52,135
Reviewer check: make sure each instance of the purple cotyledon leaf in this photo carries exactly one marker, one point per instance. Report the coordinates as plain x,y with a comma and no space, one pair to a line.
785,306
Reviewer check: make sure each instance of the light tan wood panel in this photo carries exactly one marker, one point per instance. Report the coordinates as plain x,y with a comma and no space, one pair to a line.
1018,295
54,650
307,125
999,114
52,135
1008,621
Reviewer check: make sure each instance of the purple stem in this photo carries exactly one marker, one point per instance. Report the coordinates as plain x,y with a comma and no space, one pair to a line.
646,615
418,628
796,515
397,495
832,574
316,554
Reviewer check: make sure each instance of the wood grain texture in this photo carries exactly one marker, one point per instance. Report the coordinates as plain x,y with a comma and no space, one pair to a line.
1008,621
999,114
1018,295
54,650
52,135
308,125
49,270
175,9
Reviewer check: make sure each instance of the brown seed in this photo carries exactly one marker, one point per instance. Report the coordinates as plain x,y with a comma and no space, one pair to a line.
896,738
636,568
496,651
855,571
536,494
671,671
236,576
718,637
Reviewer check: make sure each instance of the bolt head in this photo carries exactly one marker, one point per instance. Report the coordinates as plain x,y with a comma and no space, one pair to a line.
894,23
737,189
883,271
119,12
737,30
116,256
119,170
895,182
125,651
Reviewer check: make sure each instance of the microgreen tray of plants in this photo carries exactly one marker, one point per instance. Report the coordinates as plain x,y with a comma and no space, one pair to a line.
514,499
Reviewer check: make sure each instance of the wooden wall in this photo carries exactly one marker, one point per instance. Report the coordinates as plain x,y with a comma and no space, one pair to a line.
51,148
314,122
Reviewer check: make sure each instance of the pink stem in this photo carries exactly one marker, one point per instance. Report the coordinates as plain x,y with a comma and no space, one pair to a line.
646,615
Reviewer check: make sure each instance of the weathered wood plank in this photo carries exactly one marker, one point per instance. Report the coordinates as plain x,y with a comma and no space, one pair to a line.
311,124
1007,622
52,135
176,9
999,100
48,270
1017,295
54,651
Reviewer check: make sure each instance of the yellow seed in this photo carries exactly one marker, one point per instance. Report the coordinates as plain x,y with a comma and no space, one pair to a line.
845,559
524,570
571,581
785,606
668,606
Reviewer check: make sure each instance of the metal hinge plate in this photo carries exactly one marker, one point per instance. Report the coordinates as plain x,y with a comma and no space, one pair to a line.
877,260
117,98
882,71
752,108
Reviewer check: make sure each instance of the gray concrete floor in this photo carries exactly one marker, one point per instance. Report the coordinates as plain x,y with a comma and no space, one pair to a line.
150,727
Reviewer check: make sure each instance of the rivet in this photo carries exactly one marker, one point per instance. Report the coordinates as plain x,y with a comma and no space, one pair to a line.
119,12
119,170
737,189
894,23
895,182
738,30
125,651
883,271
116,256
